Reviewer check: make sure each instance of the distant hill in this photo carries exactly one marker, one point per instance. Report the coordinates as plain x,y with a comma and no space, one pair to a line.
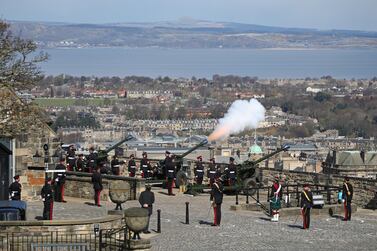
189,33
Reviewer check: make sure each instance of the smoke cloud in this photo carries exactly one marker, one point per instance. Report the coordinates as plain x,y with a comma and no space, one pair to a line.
242,115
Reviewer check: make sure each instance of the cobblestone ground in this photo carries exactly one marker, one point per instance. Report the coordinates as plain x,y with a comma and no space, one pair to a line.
74,209
241,230
245,230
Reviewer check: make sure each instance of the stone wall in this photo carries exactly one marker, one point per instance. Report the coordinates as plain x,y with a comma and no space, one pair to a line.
364,189
32,182
80,185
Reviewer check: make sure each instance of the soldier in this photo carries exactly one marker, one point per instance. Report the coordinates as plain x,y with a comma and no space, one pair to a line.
146,200
47,198
97,185
231,172
132,166
306,205
115,165
211,172
15,189
199,170
91,160
347,197
275,199
80,163
145,166
59,181
170,172
71,158
216,200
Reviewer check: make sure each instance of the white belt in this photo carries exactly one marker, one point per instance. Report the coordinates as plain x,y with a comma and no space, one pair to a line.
60,174
132,166
200,171
71,157
171,171
145,166
116,165
212,171
92,160
231,172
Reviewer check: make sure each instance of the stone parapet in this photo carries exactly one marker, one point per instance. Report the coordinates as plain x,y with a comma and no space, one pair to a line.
79,185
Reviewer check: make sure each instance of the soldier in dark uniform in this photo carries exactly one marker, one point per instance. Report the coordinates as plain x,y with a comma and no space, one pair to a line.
170,172
199,170
306,205
132,166
115,165
216,200
275,196
80,163
71,158
145,166
347,197
212,171
231,172
15,189
146,200
47,198
91,160
97,185
59,181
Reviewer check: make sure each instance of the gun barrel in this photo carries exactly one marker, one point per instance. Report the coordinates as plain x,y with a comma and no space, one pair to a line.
204,142
283,148
129,137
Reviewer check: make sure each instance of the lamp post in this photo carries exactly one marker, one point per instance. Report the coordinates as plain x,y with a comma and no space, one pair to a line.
46,159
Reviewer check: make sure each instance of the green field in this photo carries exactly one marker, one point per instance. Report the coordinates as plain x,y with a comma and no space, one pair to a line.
63,102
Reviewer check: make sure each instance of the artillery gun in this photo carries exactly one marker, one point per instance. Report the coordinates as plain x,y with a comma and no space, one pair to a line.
182,172
102,155
249,174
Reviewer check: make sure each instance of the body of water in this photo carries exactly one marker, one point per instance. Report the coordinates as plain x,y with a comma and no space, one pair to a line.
156,62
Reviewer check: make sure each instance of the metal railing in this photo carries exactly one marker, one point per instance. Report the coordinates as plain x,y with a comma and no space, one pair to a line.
291,194
47,240
81,240
60,247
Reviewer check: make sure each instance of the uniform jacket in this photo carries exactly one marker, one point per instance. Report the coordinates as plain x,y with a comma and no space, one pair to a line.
274,189
170,168
97,181
211,172
60,177
92,160
80,165
132,166
115,164
15,191
217,193
145,166
47,193
231,171
347,193
71,158
199,170
147,197
306,201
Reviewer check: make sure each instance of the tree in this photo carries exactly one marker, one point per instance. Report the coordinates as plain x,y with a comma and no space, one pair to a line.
18,66
18,71
321,97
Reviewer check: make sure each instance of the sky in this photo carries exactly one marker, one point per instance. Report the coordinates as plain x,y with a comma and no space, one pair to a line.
320,14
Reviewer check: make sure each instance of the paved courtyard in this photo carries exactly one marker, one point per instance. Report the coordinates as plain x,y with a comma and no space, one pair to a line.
241,230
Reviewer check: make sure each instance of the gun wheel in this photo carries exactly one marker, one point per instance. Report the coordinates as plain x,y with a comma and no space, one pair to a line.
250,185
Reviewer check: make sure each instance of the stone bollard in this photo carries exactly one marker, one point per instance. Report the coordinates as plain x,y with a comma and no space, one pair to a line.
159,221
187,213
